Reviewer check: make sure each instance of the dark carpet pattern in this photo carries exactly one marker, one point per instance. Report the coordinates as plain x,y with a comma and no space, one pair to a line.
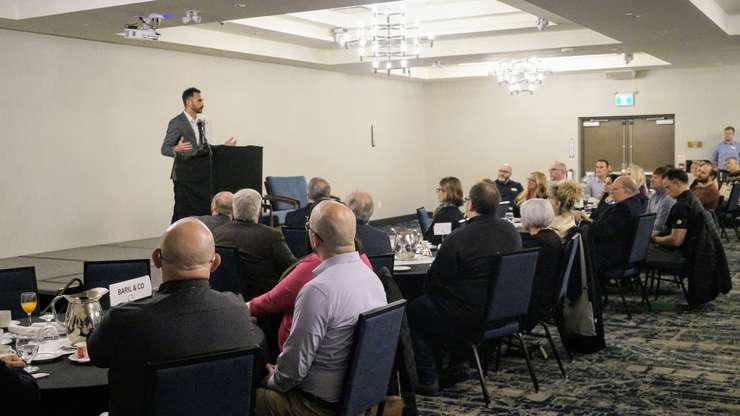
668,362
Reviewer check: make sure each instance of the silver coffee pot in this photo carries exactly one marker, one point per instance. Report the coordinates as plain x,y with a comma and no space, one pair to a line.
84,313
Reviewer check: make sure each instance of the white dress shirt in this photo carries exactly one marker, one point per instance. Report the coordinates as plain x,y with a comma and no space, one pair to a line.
194,125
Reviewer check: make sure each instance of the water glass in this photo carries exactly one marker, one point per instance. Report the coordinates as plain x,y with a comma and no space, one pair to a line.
27,349
509,217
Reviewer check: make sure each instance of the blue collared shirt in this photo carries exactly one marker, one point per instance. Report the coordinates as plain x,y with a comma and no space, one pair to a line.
723,151
660,204
592,186
316,353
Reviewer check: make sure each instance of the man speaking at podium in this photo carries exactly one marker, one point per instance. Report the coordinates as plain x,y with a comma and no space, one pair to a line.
191,172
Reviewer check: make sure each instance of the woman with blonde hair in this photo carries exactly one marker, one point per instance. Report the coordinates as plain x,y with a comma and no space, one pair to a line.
563,198
638,175
536,188
450,197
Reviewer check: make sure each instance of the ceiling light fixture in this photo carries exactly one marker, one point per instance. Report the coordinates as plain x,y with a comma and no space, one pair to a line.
628,57
542,23
388,40
520,75
191,16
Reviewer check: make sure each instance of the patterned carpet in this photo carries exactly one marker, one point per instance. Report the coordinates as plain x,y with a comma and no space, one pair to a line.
668,362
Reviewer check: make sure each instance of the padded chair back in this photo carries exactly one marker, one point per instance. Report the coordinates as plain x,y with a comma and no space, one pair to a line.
571,249
510,289
641,242
13,282
291,186
502,209
107,272
228,276
213,384
424,221
734,199
379,261
374,352
297,240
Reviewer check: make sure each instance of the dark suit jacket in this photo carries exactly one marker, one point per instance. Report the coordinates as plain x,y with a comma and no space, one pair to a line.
19,388
183,318
299,217
444,214
264,253
190,166
213,221
509,190
458,278
374,241
547,275
613,231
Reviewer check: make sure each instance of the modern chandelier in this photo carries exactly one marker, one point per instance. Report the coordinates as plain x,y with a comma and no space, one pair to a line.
520,75
388,41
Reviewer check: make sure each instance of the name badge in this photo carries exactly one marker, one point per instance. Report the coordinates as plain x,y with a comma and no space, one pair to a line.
442,228
130,290
513,189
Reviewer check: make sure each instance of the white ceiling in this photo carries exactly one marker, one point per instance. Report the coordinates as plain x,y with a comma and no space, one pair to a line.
470,35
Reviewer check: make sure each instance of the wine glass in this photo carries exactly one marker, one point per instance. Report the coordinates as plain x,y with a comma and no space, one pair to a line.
27,349
28,304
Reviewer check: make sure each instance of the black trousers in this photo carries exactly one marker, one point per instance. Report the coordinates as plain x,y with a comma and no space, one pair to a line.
191,198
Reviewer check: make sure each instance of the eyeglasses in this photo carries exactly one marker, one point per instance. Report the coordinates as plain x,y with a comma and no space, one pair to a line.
308,228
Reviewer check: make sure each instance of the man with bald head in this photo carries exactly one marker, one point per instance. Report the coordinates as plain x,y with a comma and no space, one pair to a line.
221,211
374,241
309,376
184,318
507,187
614,229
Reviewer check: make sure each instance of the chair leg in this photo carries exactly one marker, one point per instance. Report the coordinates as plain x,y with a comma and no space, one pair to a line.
645,293
624,301
529,363
554,350
658,278
498,356
486,397
683,288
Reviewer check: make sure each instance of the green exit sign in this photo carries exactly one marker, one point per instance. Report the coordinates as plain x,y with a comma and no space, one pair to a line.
624,100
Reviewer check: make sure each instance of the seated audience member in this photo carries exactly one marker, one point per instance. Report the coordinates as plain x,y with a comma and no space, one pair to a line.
694,166
457,287
264,252
638,175
563,198
185,317
593,185
732,166
684,221
558,173
613,231
536,188
309,376
660,201
507,187
606,199
374,241
17,386
318,189
450,197
537,215
706,187
222,211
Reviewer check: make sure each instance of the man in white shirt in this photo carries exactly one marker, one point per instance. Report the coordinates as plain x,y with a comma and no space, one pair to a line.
309,376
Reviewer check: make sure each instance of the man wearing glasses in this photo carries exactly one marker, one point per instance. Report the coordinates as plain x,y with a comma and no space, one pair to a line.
558,173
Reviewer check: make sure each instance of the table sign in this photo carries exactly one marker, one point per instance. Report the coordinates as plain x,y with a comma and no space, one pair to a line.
442,228
130,290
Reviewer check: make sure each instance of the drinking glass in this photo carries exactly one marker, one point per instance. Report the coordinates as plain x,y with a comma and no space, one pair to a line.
509,217
28,304
27,349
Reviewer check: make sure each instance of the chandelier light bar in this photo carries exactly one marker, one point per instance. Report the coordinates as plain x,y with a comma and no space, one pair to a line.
388,42
520,75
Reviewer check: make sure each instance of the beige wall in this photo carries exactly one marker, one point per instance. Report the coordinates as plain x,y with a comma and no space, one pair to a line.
475,125
83,122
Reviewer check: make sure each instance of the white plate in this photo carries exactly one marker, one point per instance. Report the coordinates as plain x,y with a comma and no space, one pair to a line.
401,268
43,357
5,340
13,322
74,359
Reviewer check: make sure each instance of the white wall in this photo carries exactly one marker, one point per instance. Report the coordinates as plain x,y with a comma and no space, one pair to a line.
83,122
475,125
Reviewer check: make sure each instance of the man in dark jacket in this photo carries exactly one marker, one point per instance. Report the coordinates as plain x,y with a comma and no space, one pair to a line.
264,253
185,318
318,190
374,241
222,211
458,280
508,188
614,230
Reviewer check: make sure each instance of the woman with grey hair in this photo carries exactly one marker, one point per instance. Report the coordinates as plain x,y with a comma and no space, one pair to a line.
537,216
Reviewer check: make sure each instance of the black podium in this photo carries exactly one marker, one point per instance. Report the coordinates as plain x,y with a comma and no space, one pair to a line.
214,169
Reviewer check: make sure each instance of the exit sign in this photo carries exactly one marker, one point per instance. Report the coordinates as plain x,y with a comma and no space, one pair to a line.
624,100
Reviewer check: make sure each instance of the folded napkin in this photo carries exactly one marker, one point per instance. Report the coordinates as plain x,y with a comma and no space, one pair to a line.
35,329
